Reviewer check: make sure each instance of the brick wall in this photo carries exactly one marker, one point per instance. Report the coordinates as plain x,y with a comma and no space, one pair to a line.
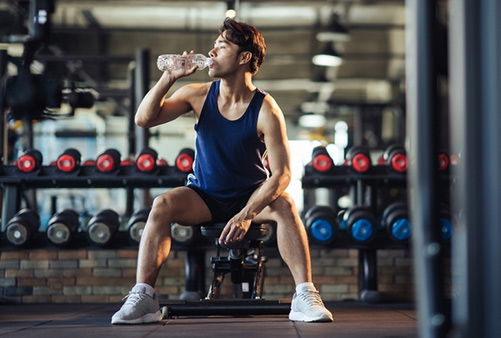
105,276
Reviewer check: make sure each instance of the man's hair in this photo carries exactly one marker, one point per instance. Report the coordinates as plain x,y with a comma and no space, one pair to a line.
247,38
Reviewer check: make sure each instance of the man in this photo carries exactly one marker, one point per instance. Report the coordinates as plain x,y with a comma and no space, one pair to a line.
236,123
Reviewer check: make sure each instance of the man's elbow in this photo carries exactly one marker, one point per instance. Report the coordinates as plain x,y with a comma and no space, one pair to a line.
140,122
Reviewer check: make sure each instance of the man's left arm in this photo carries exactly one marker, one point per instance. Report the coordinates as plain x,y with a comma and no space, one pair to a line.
271,127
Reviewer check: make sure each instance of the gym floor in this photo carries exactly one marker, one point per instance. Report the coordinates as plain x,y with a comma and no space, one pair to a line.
352,319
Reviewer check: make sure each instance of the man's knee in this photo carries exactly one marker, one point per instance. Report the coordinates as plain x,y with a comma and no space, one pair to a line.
284,204
161,206
285,200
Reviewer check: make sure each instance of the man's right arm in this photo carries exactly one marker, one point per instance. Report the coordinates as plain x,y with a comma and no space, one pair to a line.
154,109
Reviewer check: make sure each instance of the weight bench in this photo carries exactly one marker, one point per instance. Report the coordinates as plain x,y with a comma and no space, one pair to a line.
244,262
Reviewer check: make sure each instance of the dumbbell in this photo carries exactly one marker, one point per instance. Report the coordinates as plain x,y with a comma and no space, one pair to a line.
270,238
360,224
62,227
21,227
102,227
146,160
69,160
182,234
320,223
136,225
396,158
359,159
108,161
445,223
396,221
29,161
443,161
161,162
185,159
321,160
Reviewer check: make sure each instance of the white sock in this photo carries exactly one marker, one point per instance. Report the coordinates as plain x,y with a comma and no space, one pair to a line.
303,286
150,291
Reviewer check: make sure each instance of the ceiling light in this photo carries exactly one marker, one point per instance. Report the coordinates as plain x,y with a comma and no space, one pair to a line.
231,11
334,31
329,57
312,121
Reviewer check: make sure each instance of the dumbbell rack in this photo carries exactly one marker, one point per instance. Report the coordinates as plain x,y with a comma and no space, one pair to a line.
13,182
344,178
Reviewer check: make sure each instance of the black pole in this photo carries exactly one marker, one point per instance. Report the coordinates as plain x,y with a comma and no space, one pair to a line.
141,85
422,124
367,266
475,84
129,192
194,274
3,73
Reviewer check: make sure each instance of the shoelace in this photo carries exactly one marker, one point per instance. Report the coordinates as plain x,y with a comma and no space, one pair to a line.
133,297
312,298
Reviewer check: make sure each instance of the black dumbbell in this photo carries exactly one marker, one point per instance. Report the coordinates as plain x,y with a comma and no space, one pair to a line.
185,159
29,161
21,227
395,220
320,223
359,159
102,227
321,160
136,225
146,160
396,158
62,227
69,160
108,161
360,224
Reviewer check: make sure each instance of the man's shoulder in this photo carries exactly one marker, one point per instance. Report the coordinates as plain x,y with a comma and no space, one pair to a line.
198,87
270,105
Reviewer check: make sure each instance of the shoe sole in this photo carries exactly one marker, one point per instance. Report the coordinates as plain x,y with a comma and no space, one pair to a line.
301,317
147,318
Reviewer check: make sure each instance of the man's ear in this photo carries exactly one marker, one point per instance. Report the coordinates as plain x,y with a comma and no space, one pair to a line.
245,57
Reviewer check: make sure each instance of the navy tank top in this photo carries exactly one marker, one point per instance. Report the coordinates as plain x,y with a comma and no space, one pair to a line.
228,153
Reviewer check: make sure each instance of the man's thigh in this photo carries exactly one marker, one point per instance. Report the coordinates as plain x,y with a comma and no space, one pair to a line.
184,206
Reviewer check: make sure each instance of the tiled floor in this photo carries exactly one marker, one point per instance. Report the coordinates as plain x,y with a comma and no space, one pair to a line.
352,319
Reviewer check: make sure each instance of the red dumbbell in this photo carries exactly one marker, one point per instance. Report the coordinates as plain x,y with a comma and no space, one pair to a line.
185,159
359,159
109,161
69,160
29,161
146,160
321,160
396,158
443,161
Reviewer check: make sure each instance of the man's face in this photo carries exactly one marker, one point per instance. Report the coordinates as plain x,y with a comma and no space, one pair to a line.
224,56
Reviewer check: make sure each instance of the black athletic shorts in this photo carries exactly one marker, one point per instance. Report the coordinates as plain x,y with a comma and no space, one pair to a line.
222,210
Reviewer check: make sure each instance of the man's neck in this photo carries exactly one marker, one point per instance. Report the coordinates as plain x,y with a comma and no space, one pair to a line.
237,88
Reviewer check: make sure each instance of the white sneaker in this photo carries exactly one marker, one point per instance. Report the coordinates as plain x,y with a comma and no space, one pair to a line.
307,306
139,308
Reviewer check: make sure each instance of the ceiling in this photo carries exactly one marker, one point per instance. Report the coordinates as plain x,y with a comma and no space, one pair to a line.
372,70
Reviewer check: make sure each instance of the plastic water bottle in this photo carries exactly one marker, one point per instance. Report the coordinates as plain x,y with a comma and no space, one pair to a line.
167,62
